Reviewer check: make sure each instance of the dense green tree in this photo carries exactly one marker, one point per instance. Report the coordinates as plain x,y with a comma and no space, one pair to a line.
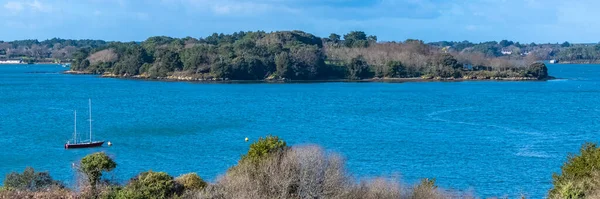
80,58
448,60
505,43
395,69
356,39
355,36
247,68
445,65
221,69
306,62
518,45
153,43
30,180
358,69
196,59
84,64
538,70
284,65
489,49
131,61
166,61
372,38
335,38
565,44
212,39
462,45
151,185
94,164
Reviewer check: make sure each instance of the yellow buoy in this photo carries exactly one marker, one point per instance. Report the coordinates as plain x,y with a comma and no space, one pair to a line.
246,139
109,144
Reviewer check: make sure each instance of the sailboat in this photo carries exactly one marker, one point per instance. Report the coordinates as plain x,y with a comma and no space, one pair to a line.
85,144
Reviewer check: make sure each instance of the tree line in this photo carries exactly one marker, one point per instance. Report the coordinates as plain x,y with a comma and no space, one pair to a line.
59,50
563,52
63,50
292,55
579,54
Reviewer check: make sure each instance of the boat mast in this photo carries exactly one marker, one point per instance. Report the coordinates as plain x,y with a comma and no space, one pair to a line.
90,102
75,128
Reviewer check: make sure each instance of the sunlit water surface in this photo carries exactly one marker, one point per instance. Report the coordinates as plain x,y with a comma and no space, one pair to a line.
488,138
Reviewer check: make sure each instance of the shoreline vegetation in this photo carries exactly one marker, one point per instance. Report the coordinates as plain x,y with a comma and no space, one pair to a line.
294,56
272,169
385,79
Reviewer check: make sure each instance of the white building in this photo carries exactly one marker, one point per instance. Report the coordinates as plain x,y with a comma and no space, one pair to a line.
506,52
10,61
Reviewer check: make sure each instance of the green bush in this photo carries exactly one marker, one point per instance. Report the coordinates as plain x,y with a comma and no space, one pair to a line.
151,185
358,69
30,180
109,192
426,189
394,69
576,179
264,147
191,181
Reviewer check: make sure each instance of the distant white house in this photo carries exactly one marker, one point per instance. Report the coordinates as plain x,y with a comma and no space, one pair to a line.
10,61
506,52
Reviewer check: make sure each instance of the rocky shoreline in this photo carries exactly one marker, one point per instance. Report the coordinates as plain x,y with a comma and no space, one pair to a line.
579,62
225,80
71,72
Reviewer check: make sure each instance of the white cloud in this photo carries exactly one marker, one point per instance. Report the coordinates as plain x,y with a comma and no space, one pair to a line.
33,6
471,27
13,6
36,5
235,7
240,8
141,16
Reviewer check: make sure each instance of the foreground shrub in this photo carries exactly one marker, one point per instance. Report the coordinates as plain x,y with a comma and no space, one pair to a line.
579,175
52,193
302,172
151,185
376,188
30,180
426,189
264,147
107,192
191,181
305,172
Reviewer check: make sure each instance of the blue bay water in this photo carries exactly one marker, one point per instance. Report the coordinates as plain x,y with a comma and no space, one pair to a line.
489,138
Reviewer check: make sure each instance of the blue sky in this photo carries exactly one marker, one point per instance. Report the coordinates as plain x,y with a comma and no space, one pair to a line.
391,20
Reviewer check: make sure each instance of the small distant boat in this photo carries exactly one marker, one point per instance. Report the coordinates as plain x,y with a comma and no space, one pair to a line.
83,144
553,61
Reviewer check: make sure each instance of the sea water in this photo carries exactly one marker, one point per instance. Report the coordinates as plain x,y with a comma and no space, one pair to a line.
490,138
